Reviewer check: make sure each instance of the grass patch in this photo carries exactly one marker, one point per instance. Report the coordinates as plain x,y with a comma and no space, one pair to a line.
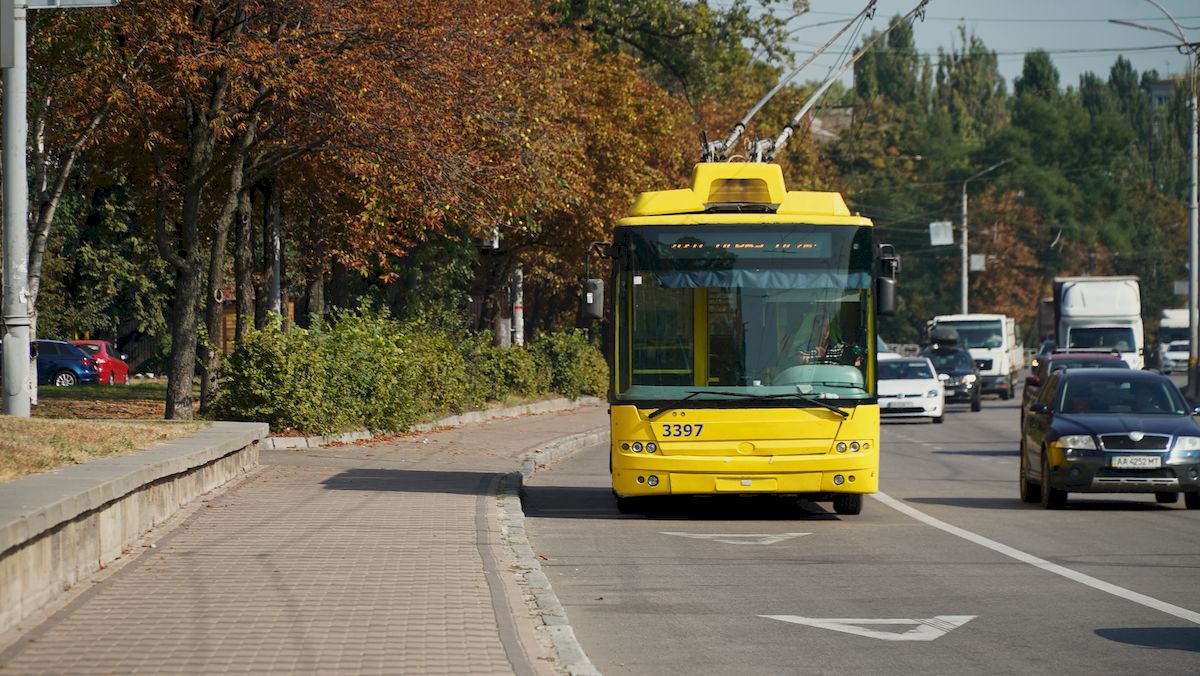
138,401
31,445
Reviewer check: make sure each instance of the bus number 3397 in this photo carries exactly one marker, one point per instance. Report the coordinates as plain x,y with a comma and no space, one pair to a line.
684,430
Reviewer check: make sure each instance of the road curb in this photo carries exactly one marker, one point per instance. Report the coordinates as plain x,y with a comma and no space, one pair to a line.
467,418
555,630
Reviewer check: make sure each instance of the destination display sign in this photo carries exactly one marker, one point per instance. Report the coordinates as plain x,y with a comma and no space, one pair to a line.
760,244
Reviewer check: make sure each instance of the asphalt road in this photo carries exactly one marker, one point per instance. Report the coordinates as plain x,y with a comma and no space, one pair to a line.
947,572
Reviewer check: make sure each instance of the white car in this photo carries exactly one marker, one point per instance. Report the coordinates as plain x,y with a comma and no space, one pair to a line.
1177,351
909,387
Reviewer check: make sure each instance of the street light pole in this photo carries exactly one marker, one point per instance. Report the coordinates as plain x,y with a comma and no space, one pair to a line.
1192,50
966,275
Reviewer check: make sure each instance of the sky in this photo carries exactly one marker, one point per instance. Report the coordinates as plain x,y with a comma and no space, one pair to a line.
1075,32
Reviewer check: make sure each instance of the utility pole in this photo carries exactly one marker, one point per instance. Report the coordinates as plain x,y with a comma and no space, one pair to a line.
17,357
1191,49
18,362
966,259
518,308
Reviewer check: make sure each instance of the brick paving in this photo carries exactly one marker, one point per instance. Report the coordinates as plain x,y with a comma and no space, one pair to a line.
370,558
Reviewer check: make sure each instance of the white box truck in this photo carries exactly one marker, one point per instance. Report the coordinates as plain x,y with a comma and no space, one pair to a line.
994,345
1100,313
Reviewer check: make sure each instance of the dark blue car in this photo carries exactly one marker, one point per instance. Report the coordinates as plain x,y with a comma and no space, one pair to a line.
63,364
1110,431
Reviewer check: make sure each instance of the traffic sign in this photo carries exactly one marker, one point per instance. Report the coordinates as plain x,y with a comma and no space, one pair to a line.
941,233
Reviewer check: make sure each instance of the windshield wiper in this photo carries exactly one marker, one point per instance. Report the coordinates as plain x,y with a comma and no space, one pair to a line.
746,396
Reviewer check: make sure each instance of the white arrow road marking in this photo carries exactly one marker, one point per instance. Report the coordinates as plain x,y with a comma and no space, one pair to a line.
739,538
926,629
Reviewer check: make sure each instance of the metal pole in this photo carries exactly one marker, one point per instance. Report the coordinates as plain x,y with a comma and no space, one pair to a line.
965,257
1193,258
16,228
518,310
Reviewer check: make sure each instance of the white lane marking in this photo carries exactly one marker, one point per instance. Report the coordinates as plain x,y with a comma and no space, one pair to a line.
739,538
923,629
1012,552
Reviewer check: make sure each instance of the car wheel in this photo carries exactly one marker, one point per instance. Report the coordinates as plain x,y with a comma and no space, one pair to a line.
977,402
1030,492
112,379
939,420
1191,500
1052,498
848,504
65,379
1004,395
1166,497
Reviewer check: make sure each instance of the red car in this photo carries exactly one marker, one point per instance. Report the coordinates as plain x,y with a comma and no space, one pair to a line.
109,362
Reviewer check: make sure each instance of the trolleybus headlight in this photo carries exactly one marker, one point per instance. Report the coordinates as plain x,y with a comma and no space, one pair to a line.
841,447
625,447
651,447
838,479
637,447
854,446
652,480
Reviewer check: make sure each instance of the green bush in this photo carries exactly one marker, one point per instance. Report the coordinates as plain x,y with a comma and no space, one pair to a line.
576,367
364,369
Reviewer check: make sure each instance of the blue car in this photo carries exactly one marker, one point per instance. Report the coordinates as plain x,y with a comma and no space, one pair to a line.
1110,430
63,364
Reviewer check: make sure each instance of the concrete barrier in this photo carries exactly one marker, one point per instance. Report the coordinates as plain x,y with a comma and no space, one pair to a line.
59,528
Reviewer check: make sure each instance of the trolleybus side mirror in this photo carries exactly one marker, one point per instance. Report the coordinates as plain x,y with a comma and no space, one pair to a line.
593,299
885,296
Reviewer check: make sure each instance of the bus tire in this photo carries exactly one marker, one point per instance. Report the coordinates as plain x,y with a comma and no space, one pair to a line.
848,504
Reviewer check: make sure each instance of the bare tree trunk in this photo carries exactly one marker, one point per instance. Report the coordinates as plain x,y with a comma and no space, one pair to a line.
214,309
271,252
244,265
314,309
339,285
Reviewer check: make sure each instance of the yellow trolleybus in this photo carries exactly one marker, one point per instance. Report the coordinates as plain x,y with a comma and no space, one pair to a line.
741,341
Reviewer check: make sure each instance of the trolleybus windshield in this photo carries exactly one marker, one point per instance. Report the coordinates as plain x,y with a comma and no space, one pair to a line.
768,314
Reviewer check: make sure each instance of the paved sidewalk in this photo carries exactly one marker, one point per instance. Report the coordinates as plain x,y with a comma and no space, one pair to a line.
376,558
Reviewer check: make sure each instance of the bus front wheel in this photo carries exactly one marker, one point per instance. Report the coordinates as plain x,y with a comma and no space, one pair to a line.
848,504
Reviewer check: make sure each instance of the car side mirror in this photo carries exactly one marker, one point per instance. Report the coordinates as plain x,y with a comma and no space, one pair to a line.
885,296
593,299
1196,409
1033,380
124,357
1039,407
943,377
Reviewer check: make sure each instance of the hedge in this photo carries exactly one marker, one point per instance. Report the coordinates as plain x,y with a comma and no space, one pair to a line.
364,369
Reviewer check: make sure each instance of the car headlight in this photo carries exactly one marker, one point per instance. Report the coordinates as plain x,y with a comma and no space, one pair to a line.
1082,441
1186,444
931,393
968,379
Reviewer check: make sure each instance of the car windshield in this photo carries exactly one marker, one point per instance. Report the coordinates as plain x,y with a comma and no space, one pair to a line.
958,360
905,369
1117,338
1116,395
980,333
1059,365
